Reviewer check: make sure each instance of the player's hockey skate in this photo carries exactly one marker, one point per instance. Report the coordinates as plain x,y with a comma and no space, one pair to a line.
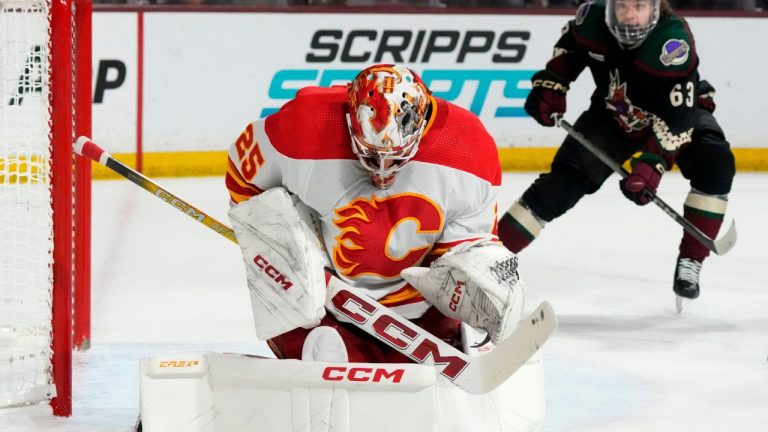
686,284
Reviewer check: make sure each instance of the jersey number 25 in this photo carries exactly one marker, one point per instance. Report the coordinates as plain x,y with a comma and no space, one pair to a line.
249,154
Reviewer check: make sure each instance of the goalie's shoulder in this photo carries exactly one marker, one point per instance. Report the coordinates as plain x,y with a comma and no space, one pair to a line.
311,125
456,138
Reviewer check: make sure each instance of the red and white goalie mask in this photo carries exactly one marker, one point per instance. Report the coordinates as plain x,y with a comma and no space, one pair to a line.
387,115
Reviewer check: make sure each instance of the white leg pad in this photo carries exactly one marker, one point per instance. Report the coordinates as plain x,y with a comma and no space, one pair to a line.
523,406
521,401
211,392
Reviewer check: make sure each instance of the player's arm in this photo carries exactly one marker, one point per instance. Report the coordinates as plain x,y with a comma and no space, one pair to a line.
283,257
550,85
668,64
472,217
705,96
568,59
254,165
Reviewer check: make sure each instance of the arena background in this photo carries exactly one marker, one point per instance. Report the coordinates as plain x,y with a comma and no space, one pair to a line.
169,98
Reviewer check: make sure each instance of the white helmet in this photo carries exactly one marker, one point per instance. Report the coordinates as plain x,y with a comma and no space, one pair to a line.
387,115
630,21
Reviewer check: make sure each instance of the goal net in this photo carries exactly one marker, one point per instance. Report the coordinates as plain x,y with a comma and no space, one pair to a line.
38,262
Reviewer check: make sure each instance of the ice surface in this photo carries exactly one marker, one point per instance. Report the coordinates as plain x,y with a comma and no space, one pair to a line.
621,360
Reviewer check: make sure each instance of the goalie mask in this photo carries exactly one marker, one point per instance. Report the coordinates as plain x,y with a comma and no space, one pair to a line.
630,21
387,116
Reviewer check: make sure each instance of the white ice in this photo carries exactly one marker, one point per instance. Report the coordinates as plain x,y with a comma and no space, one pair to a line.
621,360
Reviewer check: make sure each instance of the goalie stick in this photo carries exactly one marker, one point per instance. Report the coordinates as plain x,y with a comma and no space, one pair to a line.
720,246
474,375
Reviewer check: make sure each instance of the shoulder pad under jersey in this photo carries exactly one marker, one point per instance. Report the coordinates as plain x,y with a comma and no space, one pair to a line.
670,49
312,125
588,27
457,138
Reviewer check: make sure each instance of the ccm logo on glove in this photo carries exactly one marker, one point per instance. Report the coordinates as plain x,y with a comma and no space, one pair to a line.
272,272
456,297
551,85
547,97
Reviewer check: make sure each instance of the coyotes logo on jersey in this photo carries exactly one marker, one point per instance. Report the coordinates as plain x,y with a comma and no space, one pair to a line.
630,117
368,240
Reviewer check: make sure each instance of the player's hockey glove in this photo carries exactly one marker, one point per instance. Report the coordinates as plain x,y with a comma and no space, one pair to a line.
547,97
647,169
706,96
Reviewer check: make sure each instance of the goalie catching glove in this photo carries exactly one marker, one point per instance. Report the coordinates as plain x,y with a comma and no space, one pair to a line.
284,262
477,284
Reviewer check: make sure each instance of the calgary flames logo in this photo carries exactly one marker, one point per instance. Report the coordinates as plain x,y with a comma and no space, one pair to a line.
371,242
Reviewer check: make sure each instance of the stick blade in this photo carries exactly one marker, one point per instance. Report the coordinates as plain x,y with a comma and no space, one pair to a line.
507,357
727,241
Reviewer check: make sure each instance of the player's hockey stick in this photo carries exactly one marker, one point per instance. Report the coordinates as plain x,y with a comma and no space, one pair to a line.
720,246
85,147
475,375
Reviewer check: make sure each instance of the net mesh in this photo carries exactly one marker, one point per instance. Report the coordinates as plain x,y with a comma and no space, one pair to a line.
25,204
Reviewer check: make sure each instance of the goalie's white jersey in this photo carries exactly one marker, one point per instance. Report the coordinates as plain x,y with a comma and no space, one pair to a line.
444,196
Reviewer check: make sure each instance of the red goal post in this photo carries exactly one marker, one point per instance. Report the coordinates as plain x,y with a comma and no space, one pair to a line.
45,101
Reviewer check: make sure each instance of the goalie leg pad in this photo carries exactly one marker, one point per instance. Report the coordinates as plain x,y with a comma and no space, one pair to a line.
476,284
210,392
284,263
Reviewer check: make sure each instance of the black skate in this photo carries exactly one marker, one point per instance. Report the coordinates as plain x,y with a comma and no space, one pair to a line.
686,284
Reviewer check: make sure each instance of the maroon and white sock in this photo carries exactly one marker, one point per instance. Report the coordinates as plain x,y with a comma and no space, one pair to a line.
706,212
519,227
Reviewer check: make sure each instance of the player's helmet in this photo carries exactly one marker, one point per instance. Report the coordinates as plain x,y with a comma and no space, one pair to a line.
387,115
630,21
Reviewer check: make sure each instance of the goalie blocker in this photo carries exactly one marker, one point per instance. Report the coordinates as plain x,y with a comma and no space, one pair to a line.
284,263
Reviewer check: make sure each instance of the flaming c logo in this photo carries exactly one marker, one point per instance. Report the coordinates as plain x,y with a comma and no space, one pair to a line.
368,226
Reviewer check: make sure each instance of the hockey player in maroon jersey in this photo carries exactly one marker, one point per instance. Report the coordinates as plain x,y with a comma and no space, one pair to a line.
391,179
648,102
